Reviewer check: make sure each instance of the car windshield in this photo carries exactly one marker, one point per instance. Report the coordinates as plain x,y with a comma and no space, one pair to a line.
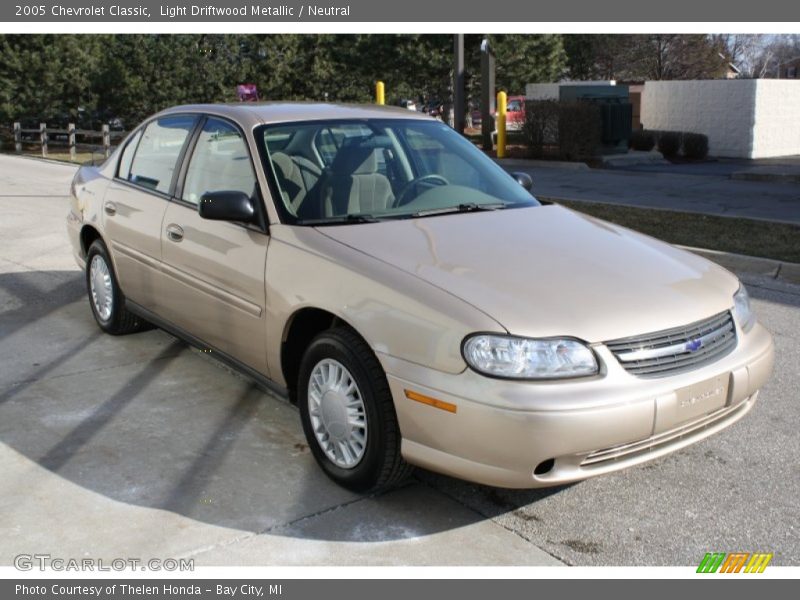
357,171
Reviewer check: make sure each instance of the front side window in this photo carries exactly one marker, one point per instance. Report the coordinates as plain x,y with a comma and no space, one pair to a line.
220,162
157,152
373,169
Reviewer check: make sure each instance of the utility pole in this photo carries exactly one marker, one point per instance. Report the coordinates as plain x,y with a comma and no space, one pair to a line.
487,94
459,103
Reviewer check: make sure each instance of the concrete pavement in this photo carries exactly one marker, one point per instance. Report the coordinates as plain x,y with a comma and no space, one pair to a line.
138,446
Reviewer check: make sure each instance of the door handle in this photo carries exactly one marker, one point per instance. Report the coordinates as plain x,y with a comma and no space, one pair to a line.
174,232
110,208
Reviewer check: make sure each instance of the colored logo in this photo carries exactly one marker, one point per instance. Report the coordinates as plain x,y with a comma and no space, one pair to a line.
734,562
693,345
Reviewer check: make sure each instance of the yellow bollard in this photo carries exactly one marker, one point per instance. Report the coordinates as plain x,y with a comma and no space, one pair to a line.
379,95
501,124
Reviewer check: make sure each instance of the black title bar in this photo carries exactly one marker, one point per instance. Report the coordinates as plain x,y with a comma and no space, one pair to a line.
474,11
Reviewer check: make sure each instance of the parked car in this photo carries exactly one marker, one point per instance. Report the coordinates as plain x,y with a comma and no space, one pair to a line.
515,113
434,108
407,104
418,304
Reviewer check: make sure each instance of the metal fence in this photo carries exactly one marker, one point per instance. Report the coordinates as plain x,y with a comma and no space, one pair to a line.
45,137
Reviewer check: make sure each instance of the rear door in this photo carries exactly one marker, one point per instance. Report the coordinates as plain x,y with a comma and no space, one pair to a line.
135,203
217,268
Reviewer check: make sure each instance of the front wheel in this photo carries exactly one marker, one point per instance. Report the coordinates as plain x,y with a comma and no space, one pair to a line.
348,414
105,296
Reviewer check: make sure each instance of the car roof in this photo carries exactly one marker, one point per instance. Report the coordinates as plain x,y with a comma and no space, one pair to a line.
252,114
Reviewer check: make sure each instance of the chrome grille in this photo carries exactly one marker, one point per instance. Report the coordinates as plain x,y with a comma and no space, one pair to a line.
668,437
675,350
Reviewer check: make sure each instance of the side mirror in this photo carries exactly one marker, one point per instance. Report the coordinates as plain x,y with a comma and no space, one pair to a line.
227,205
523,179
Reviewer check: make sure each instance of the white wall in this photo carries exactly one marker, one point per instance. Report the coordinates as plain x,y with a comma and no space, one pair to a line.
745,118
541,91
777,123
722,109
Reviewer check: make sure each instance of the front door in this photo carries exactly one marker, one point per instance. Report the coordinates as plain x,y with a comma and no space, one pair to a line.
216,268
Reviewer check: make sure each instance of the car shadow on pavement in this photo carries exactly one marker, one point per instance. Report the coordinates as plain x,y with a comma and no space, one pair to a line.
144,420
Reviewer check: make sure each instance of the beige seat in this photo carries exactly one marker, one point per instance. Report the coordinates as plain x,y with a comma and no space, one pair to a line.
296,177
353,184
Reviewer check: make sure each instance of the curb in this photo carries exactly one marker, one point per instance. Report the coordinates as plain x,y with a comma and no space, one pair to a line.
766,176
775,269
51,161
633,158
540,164
558,200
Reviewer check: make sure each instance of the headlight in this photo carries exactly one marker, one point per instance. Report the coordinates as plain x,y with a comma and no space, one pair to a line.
522,358
741,309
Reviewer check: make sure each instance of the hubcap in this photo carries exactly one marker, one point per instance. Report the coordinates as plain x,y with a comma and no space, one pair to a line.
101,287
337,413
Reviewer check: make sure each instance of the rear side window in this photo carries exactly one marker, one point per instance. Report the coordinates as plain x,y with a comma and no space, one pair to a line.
220,162
157,153
127,156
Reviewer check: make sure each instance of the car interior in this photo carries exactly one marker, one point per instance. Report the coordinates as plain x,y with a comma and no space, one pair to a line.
381,169
324,172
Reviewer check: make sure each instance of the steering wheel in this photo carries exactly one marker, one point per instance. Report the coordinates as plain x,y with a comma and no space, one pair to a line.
434,178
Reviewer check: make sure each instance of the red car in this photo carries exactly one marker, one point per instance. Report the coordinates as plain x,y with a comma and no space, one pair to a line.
515,113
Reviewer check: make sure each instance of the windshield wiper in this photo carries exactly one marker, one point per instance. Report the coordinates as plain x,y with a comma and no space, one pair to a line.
460,208
340,220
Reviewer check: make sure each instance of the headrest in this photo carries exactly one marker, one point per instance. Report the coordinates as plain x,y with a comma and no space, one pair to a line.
283,162
356,157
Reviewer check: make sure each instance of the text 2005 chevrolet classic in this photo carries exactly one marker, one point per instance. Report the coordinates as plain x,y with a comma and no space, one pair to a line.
413,299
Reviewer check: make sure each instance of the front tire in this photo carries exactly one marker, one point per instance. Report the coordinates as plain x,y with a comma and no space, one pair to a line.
105,296
348,413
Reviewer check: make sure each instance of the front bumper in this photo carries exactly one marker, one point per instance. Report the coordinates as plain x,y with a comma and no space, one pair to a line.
502,430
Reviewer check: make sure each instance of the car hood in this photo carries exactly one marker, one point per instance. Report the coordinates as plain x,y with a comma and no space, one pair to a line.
550,271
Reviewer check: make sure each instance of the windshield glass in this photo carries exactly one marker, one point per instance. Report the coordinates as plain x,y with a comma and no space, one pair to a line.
375,169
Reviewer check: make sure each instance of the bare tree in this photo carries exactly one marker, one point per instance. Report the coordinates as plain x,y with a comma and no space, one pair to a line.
746,51
676,56
782,49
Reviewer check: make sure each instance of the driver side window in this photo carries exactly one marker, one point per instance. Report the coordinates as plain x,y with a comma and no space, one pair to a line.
220,162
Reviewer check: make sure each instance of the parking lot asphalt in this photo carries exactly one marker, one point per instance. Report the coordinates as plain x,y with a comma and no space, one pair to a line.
704,188
139,446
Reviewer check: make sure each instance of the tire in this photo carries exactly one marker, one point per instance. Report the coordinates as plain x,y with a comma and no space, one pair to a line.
113,318
380,465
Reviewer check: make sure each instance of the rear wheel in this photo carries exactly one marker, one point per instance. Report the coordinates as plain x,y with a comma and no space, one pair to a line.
348,413
105,297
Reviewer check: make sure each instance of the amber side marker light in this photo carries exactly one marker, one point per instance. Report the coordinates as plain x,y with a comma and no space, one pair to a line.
440,404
